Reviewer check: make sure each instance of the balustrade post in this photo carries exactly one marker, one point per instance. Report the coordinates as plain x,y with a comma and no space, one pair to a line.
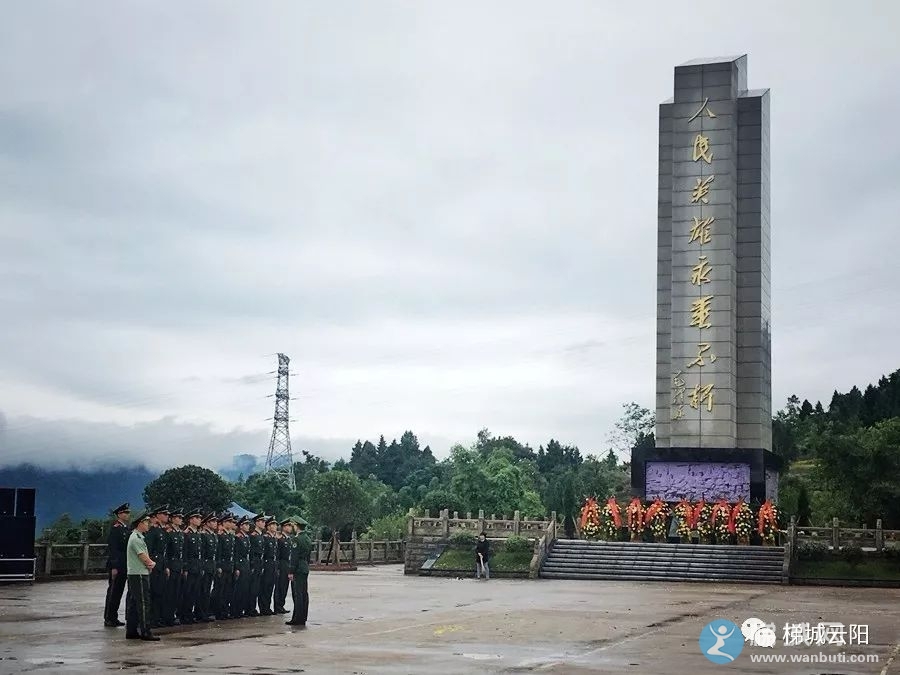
879,537
835,534
516,523
480,520
445,523
48,559
85,558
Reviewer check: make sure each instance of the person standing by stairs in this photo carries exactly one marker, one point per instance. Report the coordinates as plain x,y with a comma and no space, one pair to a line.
482,557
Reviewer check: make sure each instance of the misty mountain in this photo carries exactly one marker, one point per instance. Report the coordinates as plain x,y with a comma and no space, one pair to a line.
81,494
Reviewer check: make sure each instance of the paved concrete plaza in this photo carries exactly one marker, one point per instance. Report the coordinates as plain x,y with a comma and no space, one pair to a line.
378,621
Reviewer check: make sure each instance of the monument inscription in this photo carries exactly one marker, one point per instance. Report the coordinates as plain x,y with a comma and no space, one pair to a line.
713,393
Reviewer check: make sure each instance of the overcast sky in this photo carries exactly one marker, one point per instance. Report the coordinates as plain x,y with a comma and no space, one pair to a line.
445,213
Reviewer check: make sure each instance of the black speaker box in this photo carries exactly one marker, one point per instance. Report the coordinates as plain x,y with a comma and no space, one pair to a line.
24,502
16,537
7,501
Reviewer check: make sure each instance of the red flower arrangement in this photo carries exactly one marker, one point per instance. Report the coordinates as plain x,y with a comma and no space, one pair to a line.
590,519
634,514
685,513
655,517
612,519
719,519
741,522
703,521
767,522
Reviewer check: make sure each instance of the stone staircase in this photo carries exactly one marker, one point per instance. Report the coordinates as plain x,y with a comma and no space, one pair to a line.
627,561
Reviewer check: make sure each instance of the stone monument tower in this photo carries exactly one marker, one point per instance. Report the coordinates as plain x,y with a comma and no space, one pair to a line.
713,365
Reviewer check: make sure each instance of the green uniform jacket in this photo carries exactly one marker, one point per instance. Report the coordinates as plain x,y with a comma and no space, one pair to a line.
225,557
157,539
301,547
116,544
175,551
210,551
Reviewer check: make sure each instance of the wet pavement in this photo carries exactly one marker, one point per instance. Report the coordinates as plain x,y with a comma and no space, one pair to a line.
376,620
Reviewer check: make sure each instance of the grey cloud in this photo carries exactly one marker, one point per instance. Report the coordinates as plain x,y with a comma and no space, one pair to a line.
277,180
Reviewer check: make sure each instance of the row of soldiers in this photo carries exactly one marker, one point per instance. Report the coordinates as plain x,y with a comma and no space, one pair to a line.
214,566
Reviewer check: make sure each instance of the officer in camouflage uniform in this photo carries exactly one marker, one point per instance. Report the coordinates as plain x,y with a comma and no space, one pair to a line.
226,608
270,567
174,568
284,563
116,566
157,538
241,567
210,548
256,564
301,547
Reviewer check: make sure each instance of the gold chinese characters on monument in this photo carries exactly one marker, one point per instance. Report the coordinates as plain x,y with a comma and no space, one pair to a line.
702,395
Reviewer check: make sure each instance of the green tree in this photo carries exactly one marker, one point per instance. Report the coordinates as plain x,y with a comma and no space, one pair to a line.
188,487
386,528
634,429
862,468
64,530
337,500
267,493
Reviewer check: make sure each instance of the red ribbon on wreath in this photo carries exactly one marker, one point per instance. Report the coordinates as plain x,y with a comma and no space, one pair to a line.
720,507
589,506
686,513
732,518
698,511
613,507
635,514
653,510
766,515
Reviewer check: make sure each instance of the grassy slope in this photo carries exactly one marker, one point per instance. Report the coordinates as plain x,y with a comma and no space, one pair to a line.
840,569
464,559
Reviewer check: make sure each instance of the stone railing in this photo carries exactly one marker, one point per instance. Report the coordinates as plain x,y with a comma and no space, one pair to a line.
542,547
424,533
836,536
494,528
55,561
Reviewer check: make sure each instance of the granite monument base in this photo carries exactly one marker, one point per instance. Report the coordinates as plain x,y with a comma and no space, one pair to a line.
673,474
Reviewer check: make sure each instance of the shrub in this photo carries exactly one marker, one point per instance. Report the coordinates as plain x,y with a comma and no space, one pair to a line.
852,553
812,550
517,544
891,552
463,539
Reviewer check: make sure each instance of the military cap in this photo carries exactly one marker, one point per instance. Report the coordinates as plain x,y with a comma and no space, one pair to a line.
226,517
271,519
122,508
259,516
177,512
300,522
141,517
161,509
210,516
286,521
195,513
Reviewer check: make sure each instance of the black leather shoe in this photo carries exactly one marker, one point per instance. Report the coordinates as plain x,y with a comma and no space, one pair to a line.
294,623
110,624
149,638
120,623
253,613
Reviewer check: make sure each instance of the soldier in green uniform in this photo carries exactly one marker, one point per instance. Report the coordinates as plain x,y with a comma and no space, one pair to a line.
193,567
241,567
174,568
256,564
210,539
226,608
156,539
138,566
301,547
270,567
116,567
284,564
